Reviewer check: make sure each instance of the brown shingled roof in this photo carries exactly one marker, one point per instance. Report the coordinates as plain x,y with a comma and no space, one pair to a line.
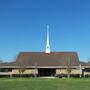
85,63
8,64
48,59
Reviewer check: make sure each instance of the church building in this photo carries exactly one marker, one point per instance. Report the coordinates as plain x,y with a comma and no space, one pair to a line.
48,63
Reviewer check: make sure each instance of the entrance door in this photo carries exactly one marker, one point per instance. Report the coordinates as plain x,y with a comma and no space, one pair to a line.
46,72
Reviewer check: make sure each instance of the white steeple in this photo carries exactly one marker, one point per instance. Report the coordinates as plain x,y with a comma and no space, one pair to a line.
47,44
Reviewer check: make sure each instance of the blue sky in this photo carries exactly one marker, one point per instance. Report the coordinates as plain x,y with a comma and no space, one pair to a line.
23,26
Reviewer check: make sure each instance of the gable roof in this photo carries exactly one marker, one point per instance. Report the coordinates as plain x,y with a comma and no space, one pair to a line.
48,59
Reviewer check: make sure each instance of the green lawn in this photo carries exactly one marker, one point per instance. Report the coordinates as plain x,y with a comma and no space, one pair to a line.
44,84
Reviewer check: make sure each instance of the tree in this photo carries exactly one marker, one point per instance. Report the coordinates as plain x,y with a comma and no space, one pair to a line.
89,60
1,61
21,69
22,66
35,68
68,66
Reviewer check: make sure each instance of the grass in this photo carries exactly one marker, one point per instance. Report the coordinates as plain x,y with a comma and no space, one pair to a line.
44,84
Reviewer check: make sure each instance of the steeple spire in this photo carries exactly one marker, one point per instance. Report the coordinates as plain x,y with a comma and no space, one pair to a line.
47,44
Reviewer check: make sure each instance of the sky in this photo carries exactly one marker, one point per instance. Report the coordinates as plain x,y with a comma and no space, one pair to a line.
23,27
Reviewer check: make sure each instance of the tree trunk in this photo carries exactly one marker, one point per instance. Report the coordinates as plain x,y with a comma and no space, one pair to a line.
68,75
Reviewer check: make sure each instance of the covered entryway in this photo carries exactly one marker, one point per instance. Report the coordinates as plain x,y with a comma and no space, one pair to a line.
46,72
